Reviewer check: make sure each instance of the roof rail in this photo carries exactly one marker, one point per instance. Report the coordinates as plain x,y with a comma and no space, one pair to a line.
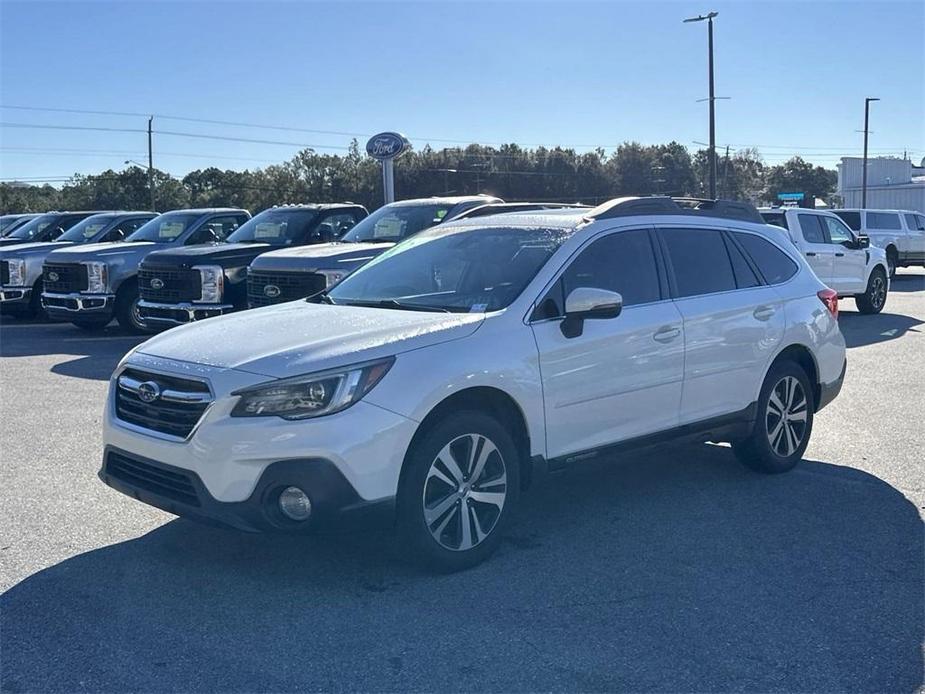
663,205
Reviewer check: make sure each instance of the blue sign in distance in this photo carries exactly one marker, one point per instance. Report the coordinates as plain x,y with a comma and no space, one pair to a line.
387,145
791,196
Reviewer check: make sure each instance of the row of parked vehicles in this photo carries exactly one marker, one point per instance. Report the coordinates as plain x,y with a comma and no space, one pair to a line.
188,265
451,351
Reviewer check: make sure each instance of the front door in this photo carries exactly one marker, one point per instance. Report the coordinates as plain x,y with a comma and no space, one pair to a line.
819,253
621,377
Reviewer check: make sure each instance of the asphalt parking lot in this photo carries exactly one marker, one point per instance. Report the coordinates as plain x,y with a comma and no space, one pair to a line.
672,569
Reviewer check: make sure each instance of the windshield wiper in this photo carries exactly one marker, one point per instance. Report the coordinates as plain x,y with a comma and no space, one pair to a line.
401,305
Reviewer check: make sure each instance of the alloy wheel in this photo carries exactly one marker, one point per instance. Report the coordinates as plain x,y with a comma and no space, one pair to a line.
464,492
877,291
786,416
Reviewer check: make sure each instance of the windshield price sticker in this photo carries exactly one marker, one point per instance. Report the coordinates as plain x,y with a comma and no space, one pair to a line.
268,230
170,230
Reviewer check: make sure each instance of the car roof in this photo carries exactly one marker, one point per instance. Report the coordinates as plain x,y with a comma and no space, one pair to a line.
206,210
873,209
312,206
446,200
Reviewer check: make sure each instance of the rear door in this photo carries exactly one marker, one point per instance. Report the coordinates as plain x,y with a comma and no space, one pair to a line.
733,321
621,377
849,272
818,251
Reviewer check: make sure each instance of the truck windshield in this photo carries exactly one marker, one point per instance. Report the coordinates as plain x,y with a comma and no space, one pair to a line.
7,222
164,229
393,223
86,230
276,227
464,270
33,229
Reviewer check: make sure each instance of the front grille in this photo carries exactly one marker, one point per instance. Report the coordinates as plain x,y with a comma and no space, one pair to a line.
4,272
64,278
171,484
291,286
175,411
174,285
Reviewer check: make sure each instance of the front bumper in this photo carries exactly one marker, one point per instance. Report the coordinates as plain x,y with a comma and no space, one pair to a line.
14,296
180,314
69,306
335,503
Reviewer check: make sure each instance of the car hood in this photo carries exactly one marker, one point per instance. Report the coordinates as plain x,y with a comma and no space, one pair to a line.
322,256
224,254
100,251
22,250
298,337
9,241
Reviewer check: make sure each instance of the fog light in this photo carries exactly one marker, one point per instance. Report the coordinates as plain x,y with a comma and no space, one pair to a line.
295,504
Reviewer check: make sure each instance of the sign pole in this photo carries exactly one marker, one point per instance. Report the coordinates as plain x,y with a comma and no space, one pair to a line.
388,180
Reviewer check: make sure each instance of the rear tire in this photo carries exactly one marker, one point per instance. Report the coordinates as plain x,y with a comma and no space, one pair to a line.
892,261
458,491
874,298
783,424
127,312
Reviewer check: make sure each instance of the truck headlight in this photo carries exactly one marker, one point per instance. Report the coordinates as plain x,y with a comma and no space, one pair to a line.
17,272
97,277
312,395
332,277
212,282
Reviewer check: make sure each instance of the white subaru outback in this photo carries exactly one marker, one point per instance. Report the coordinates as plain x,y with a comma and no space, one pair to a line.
434,383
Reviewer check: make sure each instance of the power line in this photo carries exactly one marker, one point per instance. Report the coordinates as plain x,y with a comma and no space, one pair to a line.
99,152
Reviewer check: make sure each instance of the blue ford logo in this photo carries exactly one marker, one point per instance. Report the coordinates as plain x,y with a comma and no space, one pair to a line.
387,145
271,291
157,283
149,391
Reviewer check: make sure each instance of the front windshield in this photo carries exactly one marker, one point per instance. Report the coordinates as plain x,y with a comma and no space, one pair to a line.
33,228
468,269
393,223
276,227
86,230
8,221
164,229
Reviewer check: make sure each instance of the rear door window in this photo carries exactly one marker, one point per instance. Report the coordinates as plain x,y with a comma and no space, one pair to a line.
813,231
700,261
883,220
775,265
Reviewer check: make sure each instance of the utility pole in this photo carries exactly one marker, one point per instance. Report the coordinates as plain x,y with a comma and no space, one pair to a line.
864,172
726,175
712,99
151,165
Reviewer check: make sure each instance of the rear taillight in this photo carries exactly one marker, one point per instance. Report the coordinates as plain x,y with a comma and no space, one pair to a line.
830,298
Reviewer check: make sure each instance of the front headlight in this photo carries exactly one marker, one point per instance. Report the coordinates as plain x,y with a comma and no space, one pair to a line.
17,272
312,395
212,279
97,277
332,277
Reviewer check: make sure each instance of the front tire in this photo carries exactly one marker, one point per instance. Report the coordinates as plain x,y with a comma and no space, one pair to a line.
458,491
783,424
874,298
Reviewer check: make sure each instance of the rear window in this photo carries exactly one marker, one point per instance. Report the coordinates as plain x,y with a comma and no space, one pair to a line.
775,265
776,218
700,262
883,220
852,219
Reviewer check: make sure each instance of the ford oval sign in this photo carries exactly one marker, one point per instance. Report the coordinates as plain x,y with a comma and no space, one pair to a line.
157,283
387,146
271,291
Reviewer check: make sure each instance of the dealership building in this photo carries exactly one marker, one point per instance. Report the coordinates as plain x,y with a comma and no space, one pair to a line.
892,184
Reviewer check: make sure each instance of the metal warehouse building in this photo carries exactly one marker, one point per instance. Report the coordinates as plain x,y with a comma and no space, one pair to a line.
892,184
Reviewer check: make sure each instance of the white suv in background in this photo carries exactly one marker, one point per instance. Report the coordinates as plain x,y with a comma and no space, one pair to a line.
436,381
901,233
842,259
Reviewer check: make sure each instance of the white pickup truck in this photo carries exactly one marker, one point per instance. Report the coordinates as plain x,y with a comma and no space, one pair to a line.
840,257
901,233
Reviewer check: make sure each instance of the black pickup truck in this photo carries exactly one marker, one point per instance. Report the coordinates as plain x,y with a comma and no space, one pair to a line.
186,284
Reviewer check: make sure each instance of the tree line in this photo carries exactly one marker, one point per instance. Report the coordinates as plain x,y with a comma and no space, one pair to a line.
508,171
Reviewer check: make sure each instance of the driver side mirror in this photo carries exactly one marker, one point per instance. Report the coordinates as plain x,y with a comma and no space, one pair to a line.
589,303
863,241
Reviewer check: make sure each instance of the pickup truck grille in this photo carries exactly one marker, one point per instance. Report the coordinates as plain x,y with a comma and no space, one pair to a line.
170,285
289,286
166,404
4,272
170,483
64,278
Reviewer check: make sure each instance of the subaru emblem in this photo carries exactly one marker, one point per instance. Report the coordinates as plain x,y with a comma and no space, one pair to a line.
149,391
157,283
271,291
53,277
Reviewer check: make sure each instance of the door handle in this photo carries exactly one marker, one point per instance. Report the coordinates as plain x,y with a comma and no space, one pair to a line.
764,312
810,254
666,333
839,255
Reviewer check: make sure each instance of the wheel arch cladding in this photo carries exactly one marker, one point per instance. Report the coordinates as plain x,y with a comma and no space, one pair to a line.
486,400
801,355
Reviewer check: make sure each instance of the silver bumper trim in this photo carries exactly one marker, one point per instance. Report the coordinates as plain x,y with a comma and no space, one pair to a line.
15,293
81,301
189,308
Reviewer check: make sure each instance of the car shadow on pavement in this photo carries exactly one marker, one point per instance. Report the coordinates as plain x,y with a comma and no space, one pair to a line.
907,283
860,330
675,569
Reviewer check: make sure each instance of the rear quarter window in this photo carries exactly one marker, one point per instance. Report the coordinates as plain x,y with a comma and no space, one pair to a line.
775,265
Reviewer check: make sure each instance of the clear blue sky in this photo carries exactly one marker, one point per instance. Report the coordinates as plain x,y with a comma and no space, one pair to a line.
564,73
